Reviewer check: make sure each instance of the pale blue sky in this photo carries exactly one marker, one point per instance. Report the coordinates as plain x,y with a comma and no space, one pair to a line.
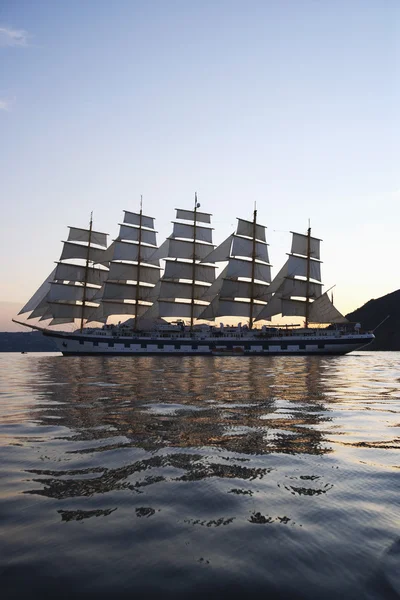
293,104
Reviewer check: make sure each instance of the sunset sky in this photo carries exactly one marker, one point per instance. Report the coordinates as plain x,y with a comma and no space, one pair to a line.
292,104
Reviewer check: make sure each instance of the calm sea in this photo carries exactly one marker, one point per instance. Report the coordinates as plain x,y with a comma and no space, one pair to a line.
200,477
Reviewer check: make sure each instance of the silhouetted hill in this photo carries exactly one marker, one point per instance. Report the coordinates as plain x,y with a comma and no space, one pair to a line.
26,342
387,336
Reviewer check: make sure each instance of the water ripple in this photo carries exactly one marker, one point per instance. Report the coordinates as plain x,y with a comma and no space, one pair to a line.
278,475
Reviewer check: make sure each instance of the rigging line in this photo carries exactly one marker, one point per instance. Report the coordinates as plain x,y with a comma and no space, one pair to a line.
331,288
381,323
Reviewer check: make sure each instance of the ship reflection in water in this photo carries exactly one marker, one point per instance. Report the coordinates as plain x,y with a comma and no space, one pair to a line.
176,476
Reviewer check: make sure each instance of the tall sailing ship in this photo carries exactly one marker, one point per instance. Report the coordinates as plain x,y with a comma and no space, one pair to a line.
94,281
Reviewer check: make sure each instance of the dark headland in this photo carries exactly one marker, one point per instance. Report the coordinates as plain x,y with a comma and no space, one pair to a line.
387,336
30,341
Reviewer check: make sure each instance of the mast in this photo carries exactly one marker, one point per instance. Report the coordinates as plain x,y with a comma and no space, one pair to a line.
139,258
193,263
246,277
298,285
308,273
129,288
86,270
185,280
253,265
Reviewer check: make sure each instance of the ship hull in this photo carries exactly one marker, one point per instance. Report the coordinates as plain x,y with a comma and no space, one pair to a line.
92,345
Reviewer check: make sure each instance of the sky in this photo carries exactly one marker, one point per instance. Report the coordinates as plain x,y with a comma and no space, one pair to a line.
289,104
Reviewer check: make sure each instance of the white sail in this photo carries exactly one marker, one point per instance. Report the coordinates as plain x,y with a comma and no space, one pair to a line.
297,267
127,291
108,254
293,308
84,235
191,215
278,279
161,252
137,219
221,252
188,250
78,273
69,292
320,311
300,244
188,244
173,289
323,311
244,247
229,308
215,288
110,308
238,267
131,284
169,309
183,230
39,295
120,271
40,309
274,307
66,310
175,269
297,288
47,314
72,287
246,228
300,288
73,250
232,288
133,234
241,289
61,321
130,252
92,281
